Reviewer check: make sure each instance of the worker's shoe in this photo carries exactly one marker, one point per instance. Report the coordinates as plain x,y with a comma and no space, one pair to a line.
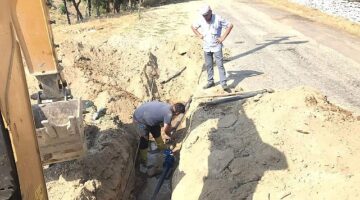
209,85
160,143
226,88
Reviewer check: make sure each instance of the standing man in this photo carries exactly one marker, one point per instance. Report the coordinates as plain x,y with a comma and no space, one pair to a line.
149,116
208,28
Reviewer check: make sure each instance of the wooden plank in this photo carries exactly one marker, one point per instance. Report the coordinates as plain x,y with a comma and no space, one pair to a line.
16,111
35,35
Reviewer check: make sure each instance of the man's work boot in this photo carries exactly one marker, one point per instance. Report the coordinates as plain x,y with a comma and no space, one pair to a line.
160,143
226,88
209,85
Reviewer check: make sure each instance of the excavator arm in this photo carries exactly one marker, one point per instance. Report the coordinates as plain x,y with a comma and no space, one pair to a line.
16,111
33,29
48,132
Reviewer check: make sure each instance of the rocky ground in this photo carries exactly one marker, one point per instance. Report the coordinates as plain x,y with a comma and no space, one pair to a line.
349,9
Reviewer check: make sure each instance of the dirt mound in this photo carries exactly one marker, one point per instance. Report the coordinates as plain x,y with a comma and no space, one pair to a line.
246,150
133,71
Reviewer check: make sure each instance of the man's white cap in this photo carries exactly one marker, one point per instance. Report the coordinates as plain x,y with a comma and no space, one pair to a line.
204,9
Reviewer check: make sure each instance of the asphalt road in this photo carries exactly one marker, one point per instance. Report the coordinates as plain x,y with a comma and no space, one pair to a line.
271,48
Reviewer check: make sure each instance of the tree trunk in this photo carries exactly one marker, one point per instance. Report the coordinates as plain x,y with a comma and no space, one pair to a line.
78,13
67,12
108,6
49,3
117,4
97,8
77,6
89,7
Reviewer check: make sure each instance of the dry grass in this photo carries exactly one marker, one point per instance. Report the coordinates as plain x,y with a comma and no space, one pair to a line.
315,15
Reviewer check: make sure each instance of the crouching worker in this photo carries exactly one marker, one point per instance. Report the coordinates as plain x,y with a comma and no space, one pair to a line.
148,117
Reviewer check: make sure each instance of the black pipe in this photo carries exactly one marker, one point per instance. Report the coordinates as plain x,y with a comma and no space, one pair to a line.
168,164
173,76
161,181
234,98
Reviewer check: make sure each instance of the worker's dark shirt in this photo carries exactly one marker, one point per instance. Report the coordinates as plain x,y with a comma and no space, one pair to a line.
153,113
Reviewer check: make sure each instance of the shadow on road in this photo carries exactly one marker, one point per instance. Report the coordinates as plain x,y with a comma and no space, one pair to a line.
276,40
235,77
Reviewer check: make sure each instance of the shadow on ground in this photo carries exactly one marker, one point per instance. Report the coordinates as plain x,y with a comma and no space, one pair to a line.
237,160
235,77
277,40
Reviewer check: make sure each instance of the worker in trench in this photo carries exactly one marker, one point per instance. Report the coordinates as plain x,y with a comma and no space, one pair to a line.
208,28
149,117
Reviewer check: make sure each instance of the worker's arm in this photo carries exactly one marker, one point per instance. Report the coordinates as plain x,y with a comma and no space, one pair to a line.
227,32
197,33
167,129
167,123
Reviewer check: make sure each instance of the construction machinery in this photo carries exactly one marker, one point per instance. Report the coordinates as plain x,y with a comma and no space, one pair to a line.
47,132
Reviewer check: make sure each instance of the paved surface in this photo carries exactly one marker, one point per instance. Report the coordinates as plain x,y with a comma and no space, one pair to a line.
276,49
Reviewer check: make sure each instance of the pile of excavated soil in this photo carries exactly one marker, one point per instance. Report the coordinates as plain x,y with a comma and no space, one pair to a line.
114,66
290,144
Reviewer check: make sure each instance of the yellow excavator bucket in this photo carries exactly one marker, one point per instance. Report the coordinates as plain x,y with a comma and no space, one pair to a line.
59,130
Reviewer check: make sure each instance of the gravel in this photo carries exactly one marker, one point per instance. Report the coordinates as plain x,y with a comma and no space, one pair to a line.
349,9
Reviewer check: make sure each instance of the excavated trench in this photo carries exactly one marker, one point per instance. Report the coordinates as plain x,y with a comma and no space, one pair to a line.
119,80
114,65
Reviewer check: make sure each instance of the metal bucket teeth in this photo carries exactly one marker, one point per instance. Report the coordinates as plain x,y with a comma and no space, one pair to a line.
59,130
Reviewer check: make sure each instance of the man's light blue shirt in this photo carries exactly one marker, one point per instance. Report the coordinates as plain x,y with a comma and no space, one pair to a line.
211,31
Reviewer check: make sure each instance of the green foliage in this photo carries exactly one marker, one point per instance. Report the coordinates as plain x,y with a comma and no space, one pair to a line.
62,9
100,5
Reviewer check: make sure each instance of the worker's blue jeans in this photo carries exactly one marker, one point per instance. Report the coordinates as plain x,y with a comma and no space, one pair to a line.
210,69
